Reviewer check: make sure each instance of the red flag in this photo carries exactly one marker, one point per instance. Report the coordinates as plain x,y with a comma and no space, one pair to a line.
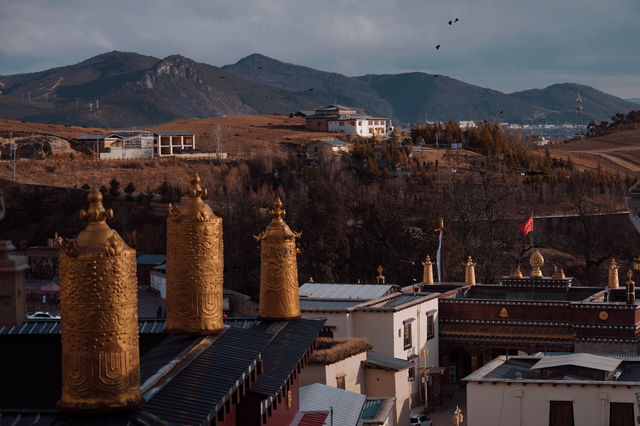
526,227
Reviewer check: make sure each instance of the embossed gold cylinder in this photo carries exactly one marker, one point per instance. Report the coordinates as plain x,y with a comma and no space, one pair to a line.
279,298
195,266
99,318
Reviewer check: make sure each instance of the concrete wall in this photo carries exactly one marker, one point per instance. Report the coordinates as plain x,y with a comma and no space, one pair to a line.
158,282
120,153
497,403
385,383
377,327
327,373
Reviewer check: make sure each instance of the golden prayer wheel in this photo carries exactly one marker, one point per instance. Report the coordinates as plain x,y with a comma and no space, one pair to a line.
469,272
195,266
99,317
427,271
279,298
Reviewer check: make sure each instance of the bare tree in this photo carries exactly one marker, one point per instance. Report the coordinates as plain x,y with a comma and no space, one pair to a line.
219,134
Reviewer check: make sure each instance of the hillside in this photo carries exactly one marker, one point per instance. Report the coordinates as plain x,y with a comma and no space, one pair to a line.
119,89
616,152
443,98
126,89
348,91
560,101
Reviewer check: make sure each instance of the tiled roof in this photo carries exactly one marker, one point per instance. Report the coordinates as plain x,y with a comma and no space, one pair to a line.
327,305
345,291
386,362
199,390
284,352
347,406
310,418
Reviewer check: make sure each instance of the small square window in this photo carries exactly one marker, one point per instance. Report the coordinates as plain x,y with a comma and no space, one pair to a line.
340,382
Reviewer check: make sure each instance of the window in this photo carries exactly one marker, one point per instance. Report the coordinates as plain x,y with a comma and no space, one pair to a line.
342,124
359,123
340,382
132,143
621,414
407,335
327,331
412,374
431,332
561,413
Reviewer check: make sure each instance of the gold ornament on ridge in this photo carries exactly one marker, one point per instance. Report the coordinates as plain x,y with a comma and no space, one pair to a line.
279,269
99,317
195,265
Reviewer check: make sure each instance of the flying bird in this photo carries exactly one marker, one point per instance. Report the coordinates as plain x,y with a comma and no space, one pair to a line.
311,89
259,68
456,20
501,111
437,47
221,76
450,22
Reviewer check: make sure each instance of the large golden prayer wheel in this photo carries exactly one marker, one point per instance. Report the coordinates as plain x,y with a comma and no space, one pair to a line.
279,298
195,265
99,317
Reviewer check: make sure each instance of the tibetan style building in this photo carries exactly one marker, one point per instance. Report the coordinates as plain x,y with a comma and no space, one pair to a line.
527,314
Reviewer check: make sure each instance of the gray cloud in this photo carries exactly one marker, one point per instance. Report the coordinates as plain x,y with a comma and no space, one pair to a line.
503,44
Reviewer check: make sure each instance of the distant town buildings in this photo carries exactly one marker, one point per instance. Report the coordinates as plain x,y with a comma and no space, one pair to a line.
124,144
342,119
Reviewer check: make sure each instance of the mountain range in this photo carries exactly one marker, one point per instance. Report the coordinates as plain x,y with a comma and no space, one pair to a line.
120,89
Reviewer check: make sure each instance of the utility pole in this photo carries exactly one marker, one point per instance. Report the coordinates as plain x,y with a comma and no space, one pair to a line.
15,154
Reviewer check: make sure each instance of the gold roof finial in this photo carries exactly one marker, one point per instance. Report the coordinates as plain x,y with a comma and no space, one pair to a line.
631,288
196,190
469,272
279,299
99,310
310,279
536,261
613,274
194,265
380,278
558,273
427,271
96,212
515,272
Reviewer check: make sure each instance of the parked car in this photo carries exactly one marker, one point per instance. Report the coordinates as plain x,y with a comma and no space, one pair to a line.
419,420
42,315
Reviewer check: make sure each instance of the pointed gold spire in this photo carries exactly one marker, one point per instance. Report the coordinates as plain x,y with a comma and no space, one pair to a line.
427,271
536,261
99,311
279,268
380,279
195,265
613,274
469,272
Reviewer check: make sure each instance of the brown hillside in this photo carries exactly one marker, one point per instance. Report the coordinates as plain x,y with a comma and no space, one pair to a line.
616,152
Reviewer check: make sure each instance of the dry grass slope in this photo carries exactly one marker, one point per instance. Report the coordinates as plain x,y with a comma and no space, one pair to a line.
332,350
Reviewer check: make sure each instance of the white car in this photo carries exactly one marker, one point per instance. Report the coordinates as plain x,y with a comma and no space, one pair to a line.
419,420
42,315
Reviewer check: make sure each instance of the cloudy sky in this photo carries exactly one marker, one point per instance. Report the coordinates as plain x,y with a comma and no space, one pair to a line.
507,45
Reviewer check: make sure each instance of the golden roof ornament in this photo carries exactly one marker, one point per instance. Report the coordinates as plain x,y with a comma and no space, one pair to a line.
469,272
631,288
515,272
427,271
558,273
99,317
279,298
536,261
195,265
380,279
613,274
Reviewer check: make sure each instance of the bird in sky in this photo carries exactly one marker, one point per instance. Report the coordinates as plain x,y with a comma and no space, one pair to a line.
311,89
259,68
221,76
437,47
456,20
501,111
450,22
